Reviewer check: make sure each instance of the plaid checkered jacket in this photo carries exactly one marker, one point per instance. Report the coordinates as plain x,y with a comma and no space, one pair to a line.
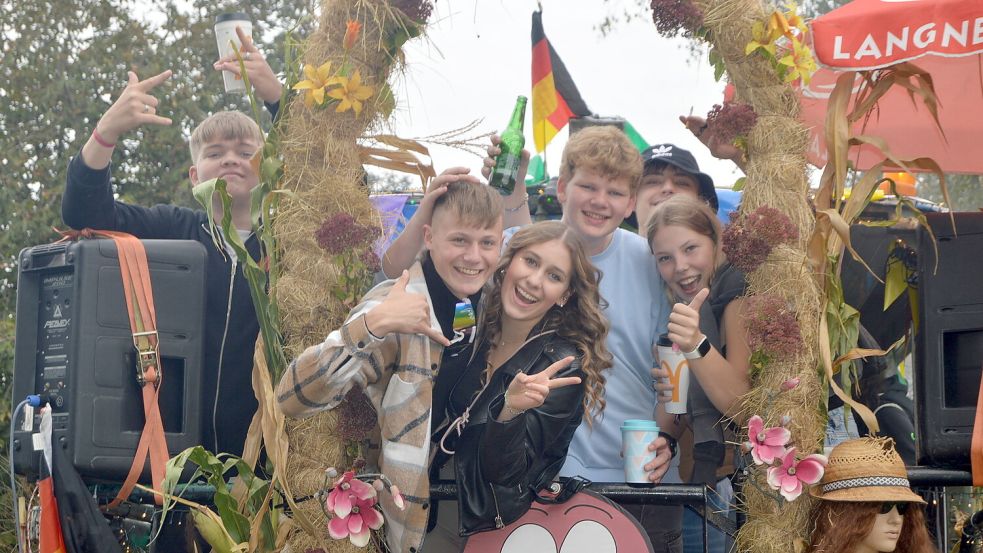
397,374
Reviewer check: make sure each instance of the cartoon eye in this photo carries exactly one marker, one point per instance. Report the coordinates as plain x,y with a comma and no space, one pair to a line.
588,536
530,537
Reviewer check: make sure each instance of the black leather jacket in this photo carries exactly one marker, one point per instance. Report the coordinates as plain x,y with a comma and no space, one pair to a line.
499,466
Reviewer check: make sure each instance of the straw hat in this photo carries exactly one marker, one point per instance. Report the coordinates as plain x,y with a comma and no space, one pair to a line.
866,469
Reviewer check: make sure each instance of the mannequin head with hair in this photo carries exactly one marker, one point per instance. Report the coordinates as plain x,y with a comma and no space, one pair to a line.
865,503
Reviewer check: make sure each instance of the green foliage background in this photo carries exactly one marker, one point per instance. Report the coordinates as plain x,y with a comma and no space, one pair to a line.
62,63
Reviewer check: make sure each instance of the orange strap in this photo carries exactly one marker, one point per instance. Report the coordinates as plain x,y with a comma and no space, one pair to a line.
137,290
976,449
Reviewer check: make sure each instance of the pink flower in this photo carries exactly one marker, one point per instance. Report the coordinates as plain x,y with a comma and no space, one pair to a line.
353,504
790,384
362,517
791,474
346,491
766,444
398,498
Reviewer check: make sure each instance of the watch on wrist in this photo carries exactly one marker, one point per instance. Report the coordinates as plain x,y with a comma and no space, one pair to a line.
700,351
673,446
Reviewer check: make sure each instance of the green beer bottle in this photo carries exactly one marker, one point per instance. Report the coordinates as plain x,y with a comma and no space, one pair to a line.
503,175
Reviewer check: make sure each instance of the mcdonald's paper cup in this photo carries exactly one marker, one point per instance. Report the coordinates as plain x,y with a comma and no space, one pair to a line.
225,35
678,367
636,435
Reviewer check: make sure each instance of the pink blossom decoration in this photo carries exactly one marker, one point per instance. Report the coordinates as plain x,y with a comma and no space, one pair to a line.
767,444
362,517
791,474
346,491
353,504
398,498
790,384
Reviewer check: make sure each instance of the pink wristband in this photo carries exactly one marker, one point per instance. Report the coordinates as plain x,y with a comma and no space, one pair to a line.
102,141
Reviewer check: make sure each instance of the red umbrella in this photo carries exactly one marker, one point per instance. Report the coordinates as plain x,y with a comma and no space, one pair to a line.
867,34
943,37
906,124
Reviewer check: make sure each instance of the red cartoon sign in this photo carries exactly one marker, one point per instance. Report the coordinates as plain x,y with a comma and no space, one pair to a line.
587,523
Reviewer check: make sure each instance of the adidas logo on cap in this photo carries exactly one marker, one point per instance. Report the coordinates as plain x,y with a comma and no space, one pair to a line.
661,151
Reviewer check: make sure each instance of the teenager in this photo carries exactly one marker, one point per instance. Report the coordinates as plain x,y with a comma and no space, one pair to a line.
706,322
221,146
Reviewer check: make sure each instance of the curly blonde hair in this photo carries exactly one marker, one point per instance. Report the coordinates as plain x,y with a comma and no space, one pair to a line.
580,320
603,149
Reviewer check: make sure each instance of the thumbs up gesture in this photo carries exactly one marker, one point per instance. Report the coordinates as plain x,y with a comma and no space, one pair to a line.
403,312
684,322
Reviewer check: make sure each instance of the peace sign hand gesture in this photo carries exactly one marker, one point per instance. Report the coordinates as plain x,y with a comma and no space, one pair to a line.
529,391
684,322
403,312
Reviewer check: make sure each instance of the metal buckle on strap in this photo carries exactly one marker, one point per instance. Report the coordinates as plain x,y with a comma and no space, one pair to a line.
146,358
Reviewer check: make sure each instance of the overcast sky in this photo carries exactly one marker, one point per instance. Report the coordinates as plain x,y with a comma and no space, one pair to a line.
476,60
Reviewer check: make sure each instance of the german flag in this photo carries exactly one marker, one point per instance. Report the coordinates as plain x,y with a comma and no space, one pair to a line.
555,99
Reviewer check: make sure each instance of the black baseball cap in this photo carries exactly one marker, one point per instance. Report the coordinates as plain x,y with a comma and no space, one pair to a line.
683,160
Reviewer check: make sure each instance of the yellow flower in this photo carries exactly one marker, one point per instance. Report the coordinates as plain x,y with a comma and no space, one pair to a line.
799,62
351,93
315,83
762,38
794,19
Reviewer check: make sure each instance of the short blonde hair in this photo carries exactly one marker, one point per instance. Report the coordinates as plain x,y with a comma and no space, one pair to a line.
473,203
604,149
224,125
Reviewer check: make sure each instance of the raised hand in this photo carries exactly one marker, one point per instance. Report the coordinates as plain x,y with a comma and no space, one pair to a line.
684,322
268,88
489,162
718,148
134,107
529,391
403,312
438,186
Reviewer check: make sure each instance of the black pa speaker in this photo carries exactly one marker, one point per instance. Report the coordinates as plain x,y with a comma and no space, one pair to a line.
75,349
949,342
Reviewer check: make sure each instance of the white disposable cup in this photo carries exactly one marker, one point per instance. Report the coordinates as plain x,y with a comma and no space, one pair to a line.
635,439
678,367
225,36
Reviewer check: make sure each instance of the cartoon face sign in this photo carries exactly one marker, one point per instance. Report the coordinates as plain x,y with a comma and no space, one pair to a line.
587,523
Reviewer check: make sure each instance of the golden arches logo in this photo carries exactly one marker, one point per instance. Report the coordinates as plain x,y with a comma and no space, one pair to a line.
674,375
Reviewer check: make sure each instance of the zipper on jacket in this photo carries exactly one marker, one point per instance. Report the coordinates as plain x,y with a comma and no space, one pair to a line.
221,352
498,516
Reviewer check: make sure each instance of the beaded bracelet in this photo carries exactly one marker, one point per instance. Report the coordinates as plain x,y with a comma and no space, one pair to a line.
508,410
525,199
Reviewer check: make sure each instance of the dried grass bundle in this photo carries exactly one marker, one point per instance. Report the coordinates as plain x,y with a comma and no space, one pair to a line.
324,175
776,176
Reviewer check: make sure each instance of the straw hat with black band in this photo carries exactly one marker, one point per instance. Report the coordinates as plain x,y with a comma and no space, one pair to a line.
865,469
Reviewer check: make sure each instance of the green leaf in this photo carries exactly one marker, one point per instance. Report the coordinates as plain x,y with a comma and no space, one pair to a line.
386,101
235,523
739,184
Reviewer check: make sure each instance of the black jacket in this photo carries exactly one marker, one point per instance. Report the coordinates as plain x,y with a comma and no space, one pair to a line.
231,326
499,466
